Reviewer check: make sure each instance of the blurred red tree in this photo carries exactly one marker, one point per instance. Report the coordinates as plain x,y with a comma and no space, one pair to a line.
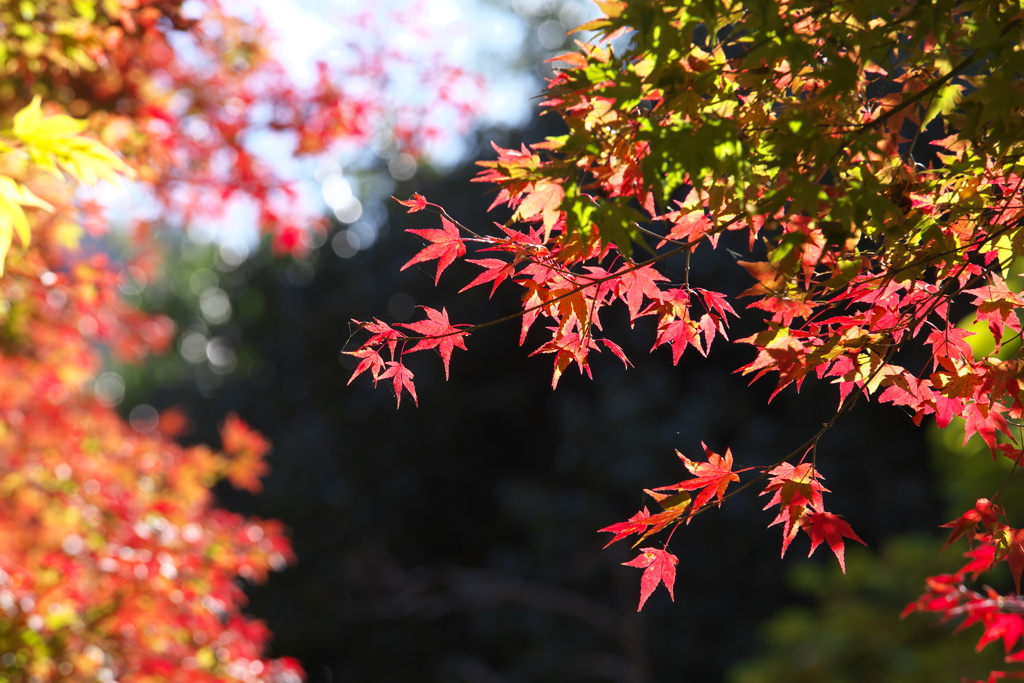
113,563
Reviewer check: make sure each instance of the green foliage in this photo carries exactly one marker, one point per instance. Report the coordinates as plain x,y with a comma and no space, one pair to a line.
964,469
849,631
850,634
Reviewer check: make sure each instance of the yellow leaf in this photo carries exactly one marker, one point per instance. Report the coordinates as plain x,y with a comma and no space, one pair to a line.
9,214
59,126
12,216
69,234
544,201
26,120
55,140
943,102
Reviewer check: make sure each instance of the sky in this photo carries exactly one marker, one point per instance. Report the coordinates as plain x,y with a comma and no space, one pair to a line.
501,40
488,37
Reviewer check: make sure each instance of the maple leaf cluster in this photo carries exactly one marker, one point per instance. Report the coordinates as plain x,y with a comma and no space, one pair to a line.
866,156
795,489
571,300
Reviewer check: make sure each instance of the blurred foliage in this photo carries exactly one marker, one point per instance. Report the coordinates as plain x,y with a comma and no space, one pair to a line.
966,472
850,632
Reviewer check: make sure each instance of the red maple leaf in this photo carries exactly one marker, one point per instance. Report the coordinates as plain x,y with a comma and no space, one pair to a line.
997,306
907,390
778,351
617,350
788,481
633,525
652,524
792,517
380,333
680,333
634,285
439,333
495,269
402,379
533,299
687,227
712,476
951,342
985,513
716,303
784,309
985,419
568,347
417,203
982,559
445,245
1007,627
659,567
371,360
671,305
646,524
824,526
713,322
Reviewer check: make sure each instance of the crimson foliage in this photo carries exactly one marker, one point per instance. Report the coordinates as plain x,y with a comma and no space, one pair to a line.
870,155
